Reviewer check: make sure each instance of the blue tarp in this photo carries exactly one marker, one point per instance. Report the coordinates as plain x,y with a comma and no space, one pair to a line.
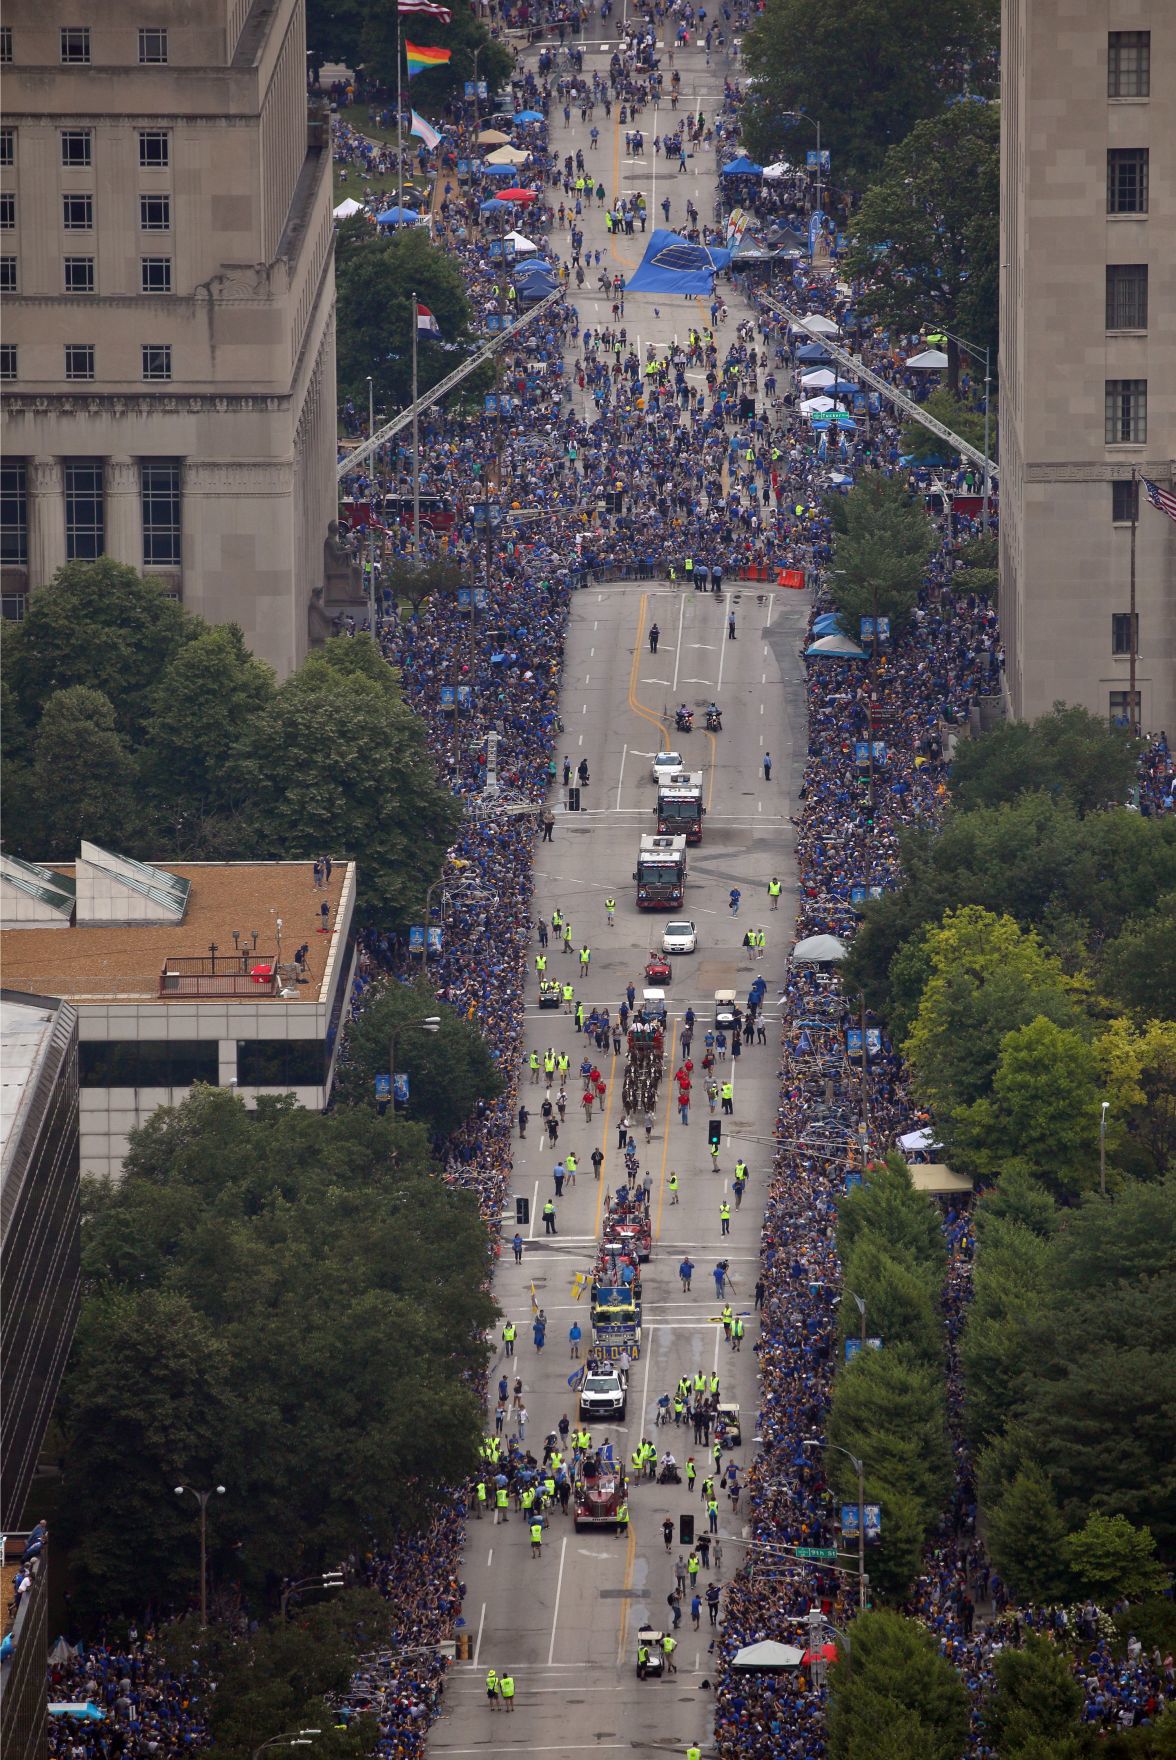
528,116
673,265
742,167
827,624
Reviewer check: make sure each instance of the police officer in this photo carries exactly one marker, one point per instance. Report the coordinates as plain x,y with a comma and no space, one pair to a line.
548,1228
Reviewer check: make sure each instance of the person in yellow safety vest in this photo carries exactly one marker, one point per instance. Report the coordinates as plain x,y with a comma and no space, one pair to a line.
506,1688
536,1538
526,1500
691,1471
650,1461
712,1514
509,1334
727,1097
533,1060
637,1459
737,1335
540,964
610,907
688,565
700,1381
642,1661
568,997
563,1063
623,1515
673,575
673,1185
549,1061
694,1752
679,1408
726,1317
693,1566
774,893
714,1384
480,1498
572,1166
556,920
567,936
725,1216
585,958
492,1688
501,1513
669,1645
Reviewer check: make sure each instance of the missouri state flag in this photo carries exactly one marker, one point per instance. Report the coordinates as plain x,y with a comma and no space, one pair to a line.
421,59
427,324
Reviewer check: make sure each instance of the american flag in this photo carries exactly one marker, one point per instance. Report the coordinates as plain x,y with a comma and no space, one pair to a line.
430,8
1164,499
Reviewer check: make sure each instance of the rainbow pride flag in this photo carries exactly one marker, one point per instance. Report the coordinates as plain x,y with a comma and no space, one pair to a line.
420,60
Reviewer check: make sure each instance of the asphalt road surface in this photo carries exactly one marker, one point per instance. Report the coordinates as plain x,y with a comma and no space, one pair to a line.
565,1624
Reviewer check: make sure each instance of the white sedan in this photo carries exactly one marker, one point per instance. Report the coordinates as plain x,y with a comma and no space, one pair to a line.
666,763
679,938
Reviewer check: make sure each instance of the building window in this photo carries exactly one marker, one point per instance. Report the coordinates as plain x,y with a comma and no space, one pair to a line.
1121,632
1129,64
156,360
85,509
77,146
7,146
7,274
1126,412
1126,296
155,213
14,513
281,1063
77,213
79,360
75,45
160,487
7,360
155,274
1120,706
152,48
79,274
1125,500
7,211
1127,180
153,148
5,45
148,1063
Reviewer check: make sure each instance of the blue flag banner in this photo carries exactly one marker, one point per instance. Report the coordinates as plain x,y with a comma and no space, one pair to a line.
434,940
853,1042
383,1087
400,1088
673,265
416,940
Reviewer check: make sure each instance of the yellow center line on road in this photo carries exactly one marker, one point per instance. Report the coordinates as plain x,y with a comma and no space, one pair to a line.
638,708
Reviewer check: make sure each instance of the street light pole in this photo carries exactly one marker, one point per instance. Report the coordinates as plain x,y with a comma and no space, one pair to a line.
371,498
859,1468
295,1738
202,1498
1102,1147
325,1580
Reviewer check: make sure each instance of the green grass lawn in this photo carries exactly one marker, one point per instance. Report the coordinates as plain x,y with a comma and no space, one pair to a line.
384,183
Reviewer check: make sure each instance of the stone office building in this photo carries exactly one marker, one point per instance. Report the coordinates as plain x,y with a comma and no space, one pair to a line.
166,259
1088,355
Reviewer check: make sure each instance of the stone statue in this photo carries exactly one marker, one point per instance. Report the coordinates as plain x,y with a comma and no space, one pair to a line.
341,571
319,623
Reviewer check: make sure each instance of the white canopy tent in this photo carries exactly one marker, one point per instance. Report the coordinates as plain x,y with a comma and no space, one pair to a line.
523,246
819,379
773,173
920,1139
346,209
817,406
507,156
816,950
766,1655
928,360
817,324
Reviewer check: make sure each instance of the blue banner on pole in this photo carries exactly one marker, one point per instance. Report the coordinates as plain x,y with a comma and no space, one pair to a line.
434,940
872,1513
416,939
853,1041
400,1088
448,696
383,1086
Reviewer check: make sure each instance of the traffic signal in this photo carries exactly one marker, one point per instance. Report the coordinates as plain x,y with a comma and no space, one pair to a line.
685,1530
714,1132
522,1211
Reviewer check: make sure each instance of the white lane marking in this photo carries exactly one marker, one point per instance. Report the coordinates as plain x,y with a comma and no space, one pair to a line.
678,652
621,777
481,1623
723,646
555,1610
534,1212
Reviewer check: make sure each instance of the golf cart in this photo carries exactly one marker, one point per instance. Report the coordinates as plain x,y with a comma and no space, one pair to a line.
651,1658
728,1430
726,1004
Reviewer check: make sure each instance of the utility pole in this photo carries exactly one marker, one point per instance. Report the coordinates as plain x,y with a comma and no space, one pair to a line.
202,1498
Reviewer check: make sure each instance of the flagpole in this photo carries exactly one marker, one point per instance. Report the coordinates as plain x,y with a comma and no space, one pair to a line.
399,143
416,451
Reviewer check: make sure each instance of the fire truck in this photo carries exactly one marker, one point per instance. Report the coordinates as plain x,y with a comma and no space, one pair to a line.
598,1494
679,806
660,873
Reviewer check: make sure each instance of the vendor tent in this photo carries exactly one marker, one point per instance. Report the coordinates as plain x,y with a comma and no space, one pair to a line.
766,1657
775,172
835,647
816,950
399,217
939,1181
528,116
523,246
820,379
928,360
818,325
812,353
492,137
826,624
920,1139
346,209
507,156
742,167
817,406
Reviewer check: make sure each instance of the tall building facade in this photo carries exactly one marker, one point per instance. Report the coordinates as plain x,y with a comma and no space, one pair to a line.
167,365
1088,355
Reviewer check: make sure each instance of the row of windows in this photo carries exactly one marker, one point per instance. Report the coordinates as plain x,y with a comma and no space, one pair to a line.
77,207
155,358
85,511
77,148
78,275
75,46
177,1063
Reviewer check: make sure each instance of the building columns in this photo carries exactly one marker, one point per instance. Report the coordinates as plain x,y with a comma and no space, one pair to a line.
46,520
124,519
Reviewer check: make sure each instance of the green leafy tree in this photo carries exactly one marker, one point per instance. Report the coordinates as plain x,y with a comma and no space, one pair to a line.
82,781
896,1677
314,1253
334,29
925,240
337,761
1020,1201
988,978
1138,968
1026,1538
880,555
1042,1115
894,1558
1139,1067
448,1071
887,1206
869,69
374,288
888,1409
1008,1295
437,579
964,419
1110,1559
102,625
899,1299
906,980
1034,1698
208,695
1068,754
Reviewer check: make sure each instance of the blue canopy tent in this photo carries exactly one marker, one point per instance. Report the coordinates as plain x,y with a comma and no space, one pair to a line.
843,387
826,624
742,167
528,116
498,170
398,217
493,203
673,265
812,354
